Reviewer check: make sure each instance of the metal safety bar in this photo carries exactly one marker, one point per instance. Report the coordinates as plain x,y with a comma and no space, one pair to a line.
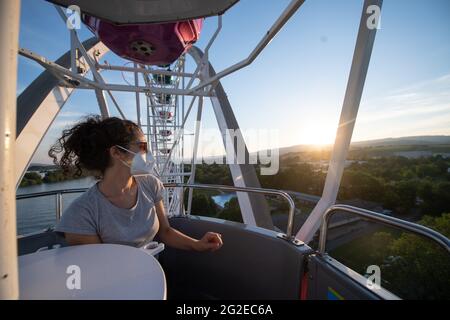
57,193
418,229
288,236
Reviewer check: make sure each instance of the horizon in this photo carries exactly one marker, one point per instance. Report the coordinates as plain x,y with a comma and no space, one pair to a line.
406,92
311,146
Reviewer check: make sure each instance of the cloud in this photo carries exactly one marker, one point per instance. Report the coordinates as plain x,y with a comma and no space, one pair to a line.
424,99
64,120
421,108
71,114
429,83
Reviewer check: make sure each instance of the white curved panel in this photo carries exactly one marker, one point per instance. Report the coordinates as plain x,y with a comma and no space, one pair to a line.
40,121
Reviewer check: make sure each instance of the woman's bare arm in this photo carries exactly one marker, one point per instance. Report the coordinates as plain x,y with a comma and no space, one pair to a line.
170,236
176,239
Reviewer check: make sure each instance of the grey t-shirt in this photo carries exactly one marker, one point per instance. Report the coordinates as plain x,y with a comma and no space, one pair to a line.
93,214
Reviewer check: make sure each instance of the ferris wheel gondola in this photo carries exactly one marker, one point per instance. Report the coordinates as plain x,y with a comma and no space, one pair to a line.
158,36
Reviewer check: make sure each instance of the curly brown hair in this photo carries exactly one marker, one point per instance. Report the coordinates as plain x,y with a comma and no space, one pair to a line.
86,145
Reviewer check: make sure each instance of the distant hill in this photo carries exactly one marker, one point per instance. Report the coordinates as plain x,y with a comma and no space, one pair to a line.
402,141
40,164
41,167
302,148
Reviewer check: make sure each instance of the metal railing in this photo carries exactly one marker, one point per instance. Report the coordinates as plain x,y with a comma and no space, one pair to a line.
423,231
57,193
285,195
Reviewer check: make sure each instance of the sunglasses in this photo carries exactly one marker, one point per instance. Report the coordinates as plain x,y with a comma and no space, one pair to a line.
142,145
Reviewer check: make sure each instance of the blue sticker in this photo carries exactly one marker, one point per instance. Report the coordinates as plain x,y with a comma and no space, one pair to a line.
333,295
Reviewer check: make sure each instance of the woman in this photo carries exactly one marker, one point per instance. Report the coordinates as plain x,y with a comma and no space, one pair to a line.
122,208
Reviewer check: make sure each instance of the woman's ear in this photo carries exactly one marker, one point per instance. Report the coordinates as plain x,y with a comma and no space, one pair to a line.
115,153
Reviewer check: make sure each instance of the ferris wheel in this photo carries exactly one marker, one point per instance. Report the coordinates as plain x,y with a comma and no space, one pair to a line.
157,46
157,39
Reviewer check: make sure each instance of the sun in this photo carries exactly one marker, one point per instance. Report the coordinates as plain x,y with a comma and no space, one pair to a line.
318,134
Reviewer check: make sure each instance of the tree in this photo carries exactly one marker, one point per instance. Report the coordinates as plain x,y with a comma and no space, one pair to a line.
407,193
428,170
231,211
54,176
361,185
412,267
421,269
435,196
203,205
30,178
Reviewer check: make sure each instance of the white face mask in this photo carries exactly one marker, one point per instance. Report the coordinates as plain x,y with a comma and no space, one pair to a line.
142,163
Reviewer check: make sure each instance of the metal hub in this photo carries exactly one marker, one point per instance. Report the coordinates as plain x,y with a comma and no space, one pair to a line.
142,47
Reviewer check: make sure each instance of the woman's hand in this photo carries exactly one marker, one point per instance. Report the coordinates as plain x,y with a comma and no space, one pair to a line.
210,241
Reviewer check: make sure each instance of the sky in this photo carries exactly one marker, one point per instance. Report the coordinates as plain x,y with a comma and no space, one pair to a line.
293,93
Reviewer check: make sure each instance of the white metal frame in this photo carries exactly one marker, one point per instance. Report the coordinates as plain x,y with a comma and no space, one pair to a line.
85,83
32,134
9,42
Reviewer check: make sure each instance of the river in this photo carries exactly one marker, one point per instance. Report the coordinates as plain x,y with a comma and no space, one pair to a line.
36,214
